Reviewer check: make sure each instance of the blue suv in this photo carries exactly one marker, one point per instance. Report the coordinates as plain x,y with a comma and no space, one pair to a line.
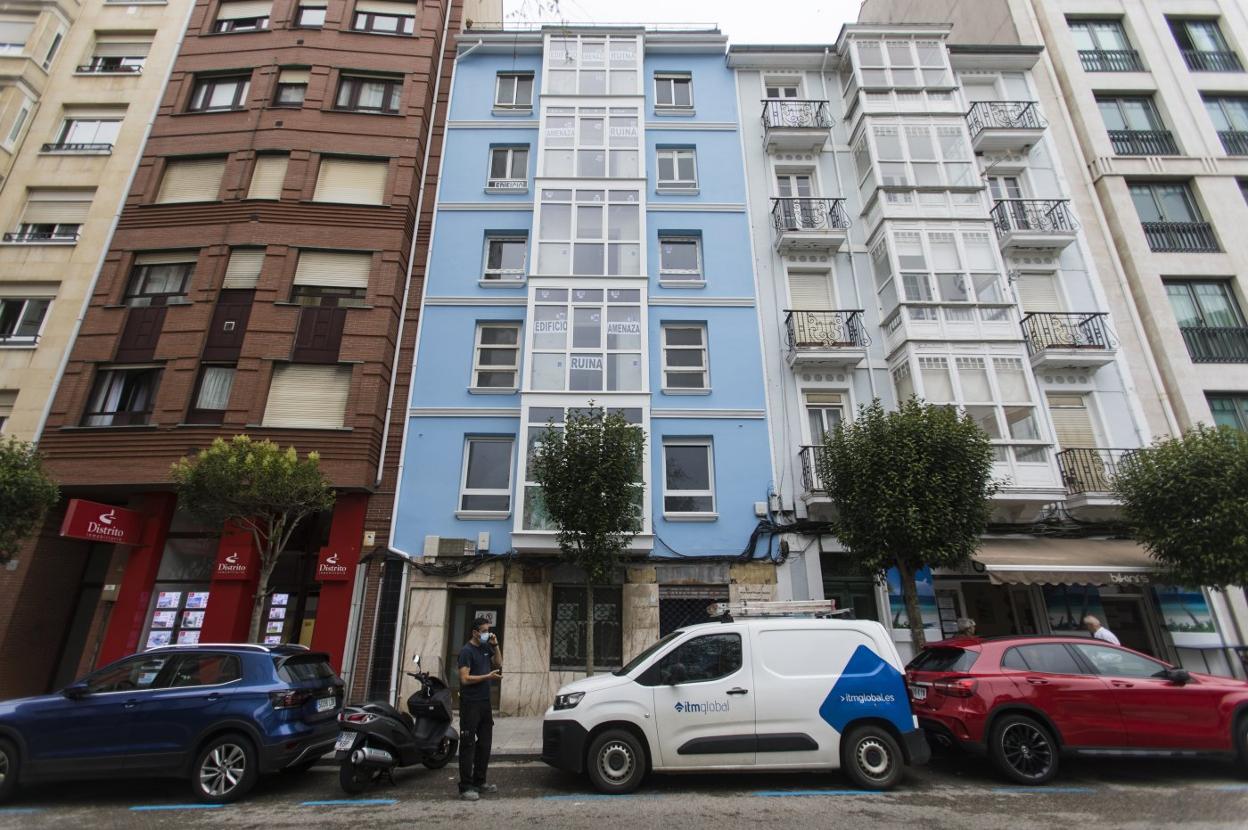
217,714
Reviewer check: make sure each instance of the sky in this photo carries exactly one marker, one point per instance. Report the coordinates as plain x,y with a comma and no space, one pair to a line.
743,21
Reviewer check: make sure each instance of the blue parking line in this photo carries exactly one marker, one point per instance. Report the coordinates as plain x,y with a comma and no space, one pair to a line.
1232,788
784,793
1041,790
147,808
353,802
18,811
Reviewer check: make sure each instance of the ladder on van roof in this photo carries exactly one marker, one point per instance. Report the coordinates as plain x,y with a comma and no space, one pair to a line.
785,608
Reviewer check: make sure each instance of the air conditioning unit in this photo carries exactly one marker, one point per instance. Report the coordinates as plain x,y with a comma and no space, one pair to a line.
447,547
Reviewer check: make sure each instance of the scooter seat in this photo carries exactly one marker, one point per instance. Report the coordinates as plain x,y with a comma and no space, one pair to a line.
389,711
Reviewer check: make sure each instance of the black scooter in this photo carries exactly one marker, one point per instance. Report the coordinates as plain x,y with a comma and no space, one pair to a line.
376,737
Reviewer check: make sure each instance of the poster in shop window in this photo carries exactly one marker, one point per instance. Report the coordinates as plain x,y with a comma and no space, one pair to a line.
1067,605
188,638
197,599
192,619
168,599
159,638
1186,615
164,619
274,627
927,600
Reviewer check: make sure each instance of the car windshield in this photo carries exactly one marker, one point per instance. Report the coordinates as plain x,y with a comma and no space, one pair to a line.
943,659
645,655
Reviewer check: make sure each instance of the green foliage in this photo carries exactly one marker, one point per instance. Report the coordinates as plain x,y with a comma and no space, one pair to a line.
26,494
912,488
1186,500
255,486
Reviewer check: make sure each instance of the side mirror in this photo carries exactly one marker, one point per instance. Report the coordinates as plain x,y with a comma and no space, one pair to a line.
1179,677
74,691
677,674
416,659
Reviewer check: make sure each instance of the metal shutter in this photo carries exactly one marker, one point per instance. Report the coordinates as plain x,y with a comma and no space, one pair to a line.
308,396
810,292
13,31
268,177
294,76
67,207
121,48
241,9
166,257
95,113
1071,421
386,7
333,268
1038,292
244,268
192,180
350,181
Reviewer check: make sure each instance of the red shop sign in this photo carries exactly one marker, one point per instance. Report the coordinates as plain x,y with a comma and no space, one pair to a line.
234,563
329,567
102,523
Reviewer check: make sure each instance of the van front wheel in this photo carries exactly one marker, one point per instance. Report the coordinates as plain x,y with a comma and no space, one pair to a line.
616,762
871,758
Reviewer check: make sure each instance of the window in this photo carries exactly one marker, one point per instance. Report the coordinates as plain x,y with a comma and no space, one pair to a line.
673,92
323,296
1229,410
21,319
946,267
220,93
14,32
308,396
677,168
8,397
1104,47
921,155
53,49
1210,320
1170,218
212,395
18,123
509,168
243,16
486,483
384,17
592,142
589,233
514,90
700,660
268,176
292,86
121,397
367,94
778,88
504,258
1135,127
243,269
331,278
680,258
684,358
578,333
688,477
86,131
117,53
496,356
52,215
204,670
1116,662
1046,659
351,181
1203,46
135,674
567,630
825,412
1230,118
593,65
158,278
310,14
902,63
191,180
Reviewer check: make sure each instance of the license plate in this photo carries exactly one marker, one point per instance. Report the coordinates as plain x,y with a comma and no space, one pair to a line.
324,704
918,692
344,742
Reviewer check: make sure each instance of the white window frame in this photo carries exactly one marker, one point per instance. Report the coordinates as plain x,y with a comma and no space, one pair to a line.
477,366
465,490
671,79
676,185
703,348
574,299
621,139
682,276
514,78
31,340
575,199
565,60
511,182
505,276
672,515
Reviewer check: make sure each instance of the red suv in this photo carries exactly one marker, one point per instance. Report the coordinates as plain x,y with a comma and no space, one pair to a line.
1025,700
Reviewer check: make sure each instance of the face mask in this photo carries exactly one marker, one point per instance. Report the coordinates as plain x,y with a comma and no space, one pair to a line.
485,638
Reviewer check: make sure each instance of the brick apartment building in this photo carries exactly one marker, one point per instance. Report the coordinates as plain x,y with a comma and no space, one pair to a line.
255,283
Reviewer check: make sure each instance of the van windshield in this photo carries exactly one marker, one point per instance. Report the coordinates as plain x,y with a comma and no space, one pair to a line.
645,655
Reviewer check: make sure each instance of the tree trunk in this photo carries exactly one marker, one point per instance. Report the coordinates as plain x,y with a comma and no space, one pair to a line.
257,605
589,628
910,593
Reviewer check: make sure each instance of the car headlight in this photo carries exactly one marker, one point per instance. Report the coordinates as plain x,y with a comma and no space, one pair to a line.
568,701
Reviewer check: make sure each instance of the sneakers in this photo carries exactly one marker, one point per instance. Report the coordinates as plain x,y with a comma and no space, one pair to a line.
488,788
469,795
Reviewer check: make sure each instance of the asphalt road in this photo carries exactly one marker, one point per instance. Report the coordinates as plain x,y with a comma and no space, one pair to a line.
962,793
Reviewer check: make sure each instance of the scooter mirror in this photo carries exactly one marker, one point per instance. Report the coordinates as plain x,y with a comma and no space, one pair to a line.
416,659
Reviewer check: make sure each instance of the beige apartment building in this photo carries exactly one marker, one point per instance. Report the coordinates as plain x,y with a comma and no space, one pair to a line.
79,86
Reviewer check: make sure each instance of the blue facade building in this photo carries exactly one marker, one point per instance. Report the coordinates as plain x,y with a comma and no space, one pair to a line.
591,242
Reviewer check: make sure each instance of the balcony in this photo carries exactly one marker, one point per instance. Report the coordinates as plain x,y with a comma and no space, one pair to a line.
1062,340
1088,475
1212,61
40,237
1180,237
1110,60
819,505
807,224
1216,344
1235,142
828,339
77,147
1034,223
1143,143
1004,125
795,126
109,68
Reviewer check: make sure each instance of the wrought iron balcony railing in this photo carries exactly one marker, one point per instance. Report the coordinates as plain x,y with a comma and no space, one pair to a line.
1003,115
36,237
1110,60
77,147
1216,344
1090,470
1143,143
1212,61
1033,216
1067,330
1170,237
809,456
107,68
788,113
1235,142
808,214
825,330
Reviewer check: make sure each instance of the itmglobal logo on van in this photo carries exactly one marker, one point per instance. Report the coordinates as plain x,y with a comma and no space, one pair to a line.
685,706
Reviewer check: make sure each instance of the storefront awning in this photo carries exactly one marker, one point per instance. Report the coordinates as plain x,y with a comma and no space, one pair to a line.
1066,562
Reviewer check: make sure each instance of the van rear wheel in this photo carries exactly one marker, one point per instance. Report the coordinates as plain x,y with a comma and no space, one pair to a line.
871,758
616,762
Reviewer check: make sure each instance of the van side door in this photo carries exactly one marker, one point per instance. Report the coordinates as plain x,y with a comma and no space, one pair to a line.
704,701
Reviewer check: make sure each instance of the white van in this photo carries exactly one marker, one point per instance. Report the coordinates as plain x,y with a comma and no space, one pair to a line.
751,694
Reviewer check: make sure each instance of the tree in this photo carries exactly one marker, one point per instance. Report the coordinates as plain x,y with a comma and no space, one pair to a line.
1186,500
590,474
912,488
26,494
258,487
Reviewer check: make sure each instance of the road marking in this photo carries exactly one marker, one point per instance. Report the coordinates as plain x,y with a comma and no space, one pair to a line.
783,793
152,807
11,811
1232,788
352,802
1040,790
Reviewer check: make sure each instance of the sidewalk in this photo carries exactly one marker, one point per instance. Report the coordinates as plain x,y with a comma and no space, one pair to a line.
515,739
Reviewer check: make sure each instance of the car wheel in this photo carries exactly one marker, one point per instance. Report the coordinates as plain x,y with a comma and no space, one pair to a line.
871,758
616,762
8,769
1023,749
225,770
440,758
1241,737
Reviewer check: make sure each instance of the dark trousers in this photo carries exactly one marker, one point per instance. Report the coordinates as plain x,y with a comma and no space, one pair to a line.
476,734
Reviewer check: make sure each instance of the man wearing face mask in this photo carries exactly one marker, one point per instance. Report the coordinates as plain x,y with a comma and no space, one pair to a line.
480,664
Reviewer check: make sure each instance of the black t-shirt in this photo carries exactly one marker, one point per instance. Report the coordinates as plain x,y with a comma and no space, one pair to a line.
477,659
